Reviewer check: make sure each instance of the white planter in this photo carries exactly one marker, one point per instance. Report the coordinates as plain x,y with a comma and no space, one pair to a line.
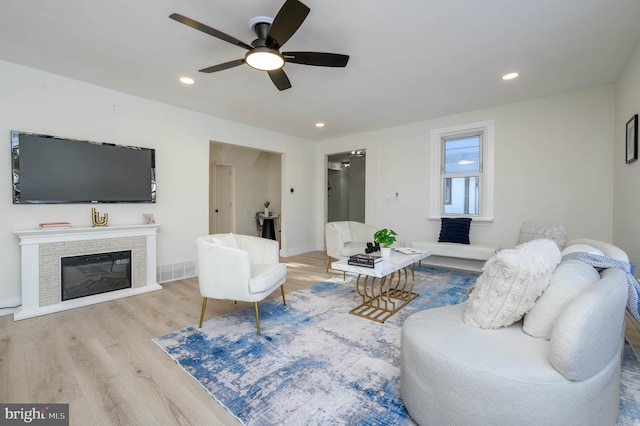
385,251
266,211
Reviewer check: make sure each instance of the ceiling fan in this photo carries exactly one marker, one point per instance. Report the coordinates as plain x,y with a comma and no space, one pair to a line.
264,52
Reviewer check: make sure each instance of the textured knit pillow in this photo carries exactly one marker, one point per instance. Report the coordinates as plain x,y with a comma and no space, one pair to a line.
567,282
510,284
531,230
455,230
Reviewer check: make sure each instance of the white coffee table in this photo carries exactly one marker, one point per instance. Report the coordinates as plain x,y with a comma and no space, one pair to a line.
385,289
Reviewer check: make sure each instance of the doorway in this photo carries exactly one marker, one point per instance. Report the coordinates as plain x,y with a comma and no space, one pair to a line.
240,180
346,186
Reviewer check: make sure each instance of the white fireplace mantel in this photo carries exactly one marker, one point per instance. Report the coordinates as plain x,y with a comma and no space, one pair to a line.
40,259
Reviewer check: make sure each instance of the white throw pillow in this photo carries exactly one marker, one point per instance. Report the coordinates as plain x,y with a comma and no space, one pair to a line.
531,230
570,278
511,282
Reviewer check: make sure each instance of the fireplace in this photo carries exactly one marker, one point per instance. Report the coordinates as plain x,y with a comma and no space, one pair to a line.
41,251
98,273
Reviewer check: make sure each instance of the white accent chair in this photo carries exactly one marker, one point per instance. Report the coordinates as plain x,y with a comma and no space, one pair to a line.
239,267
346,238
455,374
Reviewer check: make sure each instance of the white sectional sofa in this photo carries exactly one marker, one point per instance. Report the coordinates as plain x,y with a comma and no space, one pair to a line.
453,373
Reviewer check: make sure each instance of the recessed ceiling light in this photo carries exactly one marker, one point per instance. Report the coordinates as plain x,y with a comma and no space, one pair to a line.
186,80
510,76
319,124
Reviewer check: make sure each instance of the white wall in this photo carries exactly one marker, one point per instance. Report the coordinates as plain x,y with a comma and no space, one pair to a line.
626,224
299,208
553,164
35,101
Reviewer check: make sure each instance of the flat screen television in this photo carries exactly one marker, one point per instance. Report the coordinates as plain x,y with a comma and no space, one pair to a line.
54,170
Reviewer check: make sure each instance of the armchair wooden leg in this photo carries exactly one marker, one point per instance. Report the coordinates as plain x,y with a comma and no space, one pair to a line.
204,306
328,262
255,304
284,302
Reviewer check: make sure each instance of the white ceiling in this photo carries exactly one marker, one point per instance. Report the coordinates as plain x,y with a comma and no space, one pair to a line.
410,60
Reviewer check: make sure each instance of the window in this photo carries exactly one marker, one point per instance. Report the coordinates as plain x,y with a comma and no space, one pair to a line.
462,171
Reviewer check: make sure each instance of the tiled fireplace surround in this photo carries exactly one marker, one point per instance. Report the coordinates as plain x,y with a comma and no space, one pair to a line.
41,251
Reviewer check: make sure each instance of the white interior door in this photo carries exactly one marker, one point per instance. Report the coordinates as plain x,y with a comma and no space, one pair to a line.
224,210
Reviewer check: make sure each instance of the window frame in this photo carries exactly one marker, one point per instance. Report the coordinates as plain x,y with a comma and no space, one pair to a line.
446,193
436,185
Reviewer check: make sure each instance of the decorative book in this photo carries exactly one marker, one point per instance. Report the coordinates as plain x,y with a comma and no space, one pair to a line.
366,260
46,225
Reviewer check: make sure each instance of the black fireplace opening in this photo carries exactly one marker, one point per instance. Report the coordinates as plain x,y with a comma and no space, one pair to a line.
91,274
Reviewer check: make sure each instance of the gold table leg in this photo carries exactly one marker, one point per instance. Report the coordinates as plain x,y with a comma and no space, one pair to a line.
392,293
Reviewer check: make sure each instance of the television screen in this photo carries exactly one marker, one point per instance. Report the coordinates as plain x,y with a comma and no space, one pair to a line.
52,170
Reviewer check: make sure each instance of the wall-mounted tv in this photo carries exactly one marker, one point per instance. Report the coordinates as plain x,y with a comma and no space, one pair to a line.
54,170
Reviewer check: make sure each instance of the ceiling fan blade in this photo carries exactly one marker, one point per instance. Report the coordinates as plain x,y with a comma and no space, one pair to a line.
220,67
207,29
280,79
319,59
291,15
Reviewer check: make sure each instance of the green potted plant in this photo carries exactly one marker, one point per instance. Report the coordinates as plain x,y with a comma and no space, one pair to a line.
385,237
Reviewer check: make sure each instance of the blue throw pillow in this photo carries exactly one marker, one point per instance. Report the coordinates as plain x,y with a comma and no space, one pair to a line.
455,230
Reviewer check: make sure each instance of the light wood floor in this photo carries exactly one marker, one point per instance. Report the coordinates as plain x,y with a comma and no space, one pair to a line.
100,359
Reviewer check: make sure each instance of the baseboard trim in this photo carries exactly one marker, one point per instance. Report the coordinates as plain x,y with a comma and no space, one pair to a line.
10,302
297,251
6,311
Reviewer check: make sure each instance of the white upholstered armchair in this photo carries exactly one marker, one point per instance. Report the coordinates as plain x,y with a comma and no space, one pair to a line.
346,238
239,267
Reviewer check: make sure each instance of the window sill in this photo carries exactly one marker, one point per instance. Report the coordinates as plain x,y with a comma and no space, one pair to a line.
483,220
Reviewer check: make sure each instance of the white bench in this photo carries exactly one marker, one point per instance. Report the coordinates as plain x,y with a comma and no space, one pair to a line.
452,255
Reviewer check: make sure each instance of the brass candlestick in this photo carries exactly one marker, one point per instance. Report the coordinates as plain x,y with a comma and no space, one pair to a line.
96,220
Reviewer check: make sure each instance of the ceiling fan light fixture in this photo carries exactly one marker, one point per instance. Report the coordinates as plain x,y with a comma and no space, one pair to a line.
264,59
263,53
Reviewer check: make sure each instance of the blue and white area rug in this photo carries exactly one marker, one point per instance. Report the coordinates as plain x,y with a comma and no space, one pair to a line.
316,364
